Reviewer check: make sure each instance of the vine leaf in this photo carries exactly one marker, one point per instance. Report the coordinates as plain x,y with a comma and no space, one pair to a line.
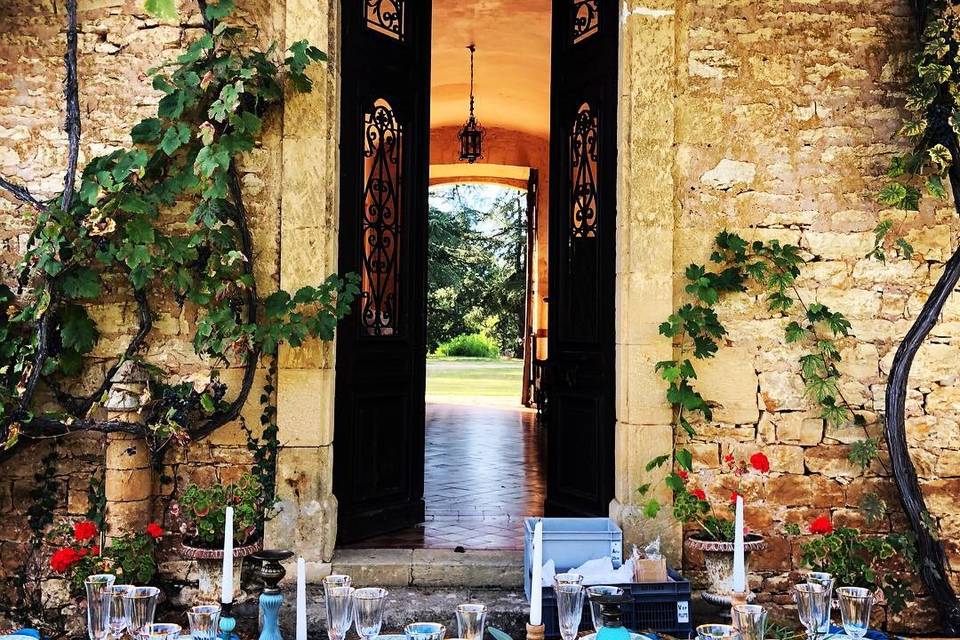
161,9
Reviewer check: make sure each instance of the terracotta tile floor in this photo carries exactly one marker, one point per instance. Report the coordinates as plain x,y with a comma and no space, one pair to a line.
484,473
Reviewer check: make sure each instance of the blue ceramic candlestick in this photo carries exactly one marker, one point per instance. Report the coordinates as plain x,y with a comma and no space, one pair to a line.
227,622
271,572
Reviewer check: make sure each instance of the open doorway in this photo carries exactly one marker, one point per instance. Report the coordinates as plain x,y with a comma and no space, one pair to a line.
546,95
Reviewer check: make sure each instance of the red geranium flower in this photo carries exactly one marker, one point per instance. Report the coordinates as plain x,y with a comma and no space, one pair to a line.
699,493
760,462
733,496
84,530
821,525
63,559
95,550
154,530
683,475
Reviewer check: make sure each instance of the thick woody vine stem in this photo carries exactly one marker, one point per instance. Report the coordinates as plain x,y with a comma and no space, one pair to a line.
932,558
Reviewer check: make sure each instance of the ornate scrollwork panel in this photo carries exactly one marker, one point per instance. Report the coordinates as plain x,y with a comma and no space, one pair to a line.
586,20
380,222
584,156
386,17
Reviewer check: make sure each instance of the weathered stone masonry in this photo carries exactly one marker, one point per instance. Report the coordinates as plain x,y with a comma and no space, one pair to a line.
769,117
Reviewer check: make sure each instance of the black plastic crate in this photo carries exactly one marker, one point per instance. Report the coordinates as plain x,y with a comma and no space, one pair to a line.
657,606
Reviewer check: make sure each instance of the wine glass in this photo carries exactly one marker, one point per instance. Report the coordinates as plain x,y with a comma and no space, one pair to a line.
368,611
855,605
160,631
593,592
470,620
339,603
812,605
204,621
118,621
569,590
98,605
750,620
425,631
139,607
825,580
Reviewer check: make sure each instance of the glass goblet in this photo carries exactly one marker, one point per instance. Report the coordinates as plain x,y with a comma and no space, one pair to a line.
750,620
717,632
204,621
139,607
98,604
825,580
812,605
569,590
425,631
470,621
118,621
160,631
368,611
593,592
339,604
855,605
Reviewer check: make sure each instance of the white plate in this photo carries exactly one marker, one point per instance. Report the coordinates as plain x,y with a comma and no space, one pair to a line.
18,636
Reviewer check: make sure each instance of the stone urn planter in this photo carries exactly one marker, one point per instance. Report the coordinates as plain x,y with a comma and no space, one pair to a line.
718,561
209,567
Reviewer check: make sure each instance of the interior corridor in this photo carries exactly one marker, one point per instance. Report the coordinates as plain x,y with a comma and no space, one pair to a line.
483,474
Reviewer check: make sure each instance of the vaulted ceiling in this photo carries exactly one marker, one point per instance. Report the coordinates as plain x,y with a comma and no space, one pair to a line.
512,63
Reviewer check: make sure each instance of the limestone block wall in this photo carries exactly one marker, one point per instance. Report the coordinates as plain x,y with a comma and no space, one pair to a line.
782,125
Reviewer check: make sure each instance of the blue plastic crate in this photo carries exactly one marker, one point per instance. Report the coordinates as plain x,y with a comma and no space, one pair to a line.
570,542
663,607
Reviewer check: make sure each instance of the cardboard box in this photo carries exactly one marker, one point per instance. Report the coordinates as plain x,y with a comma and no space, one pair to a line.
650,570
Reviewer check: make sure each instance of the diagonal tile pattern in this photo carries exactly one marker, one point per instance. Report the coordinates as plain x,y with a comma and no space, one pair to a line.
484,473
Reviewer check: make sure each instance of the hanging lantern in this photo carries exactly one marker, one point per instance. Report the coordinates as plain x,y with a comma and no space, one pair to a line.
471,135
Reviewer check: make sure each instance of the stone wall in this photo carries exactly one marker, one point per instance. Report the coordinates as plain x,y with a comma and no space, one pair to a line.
768,117
784,122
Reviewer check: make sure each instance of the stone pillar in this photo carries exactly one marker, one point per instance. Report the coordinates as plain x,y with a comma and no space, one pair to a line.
645,225
128,481
309,223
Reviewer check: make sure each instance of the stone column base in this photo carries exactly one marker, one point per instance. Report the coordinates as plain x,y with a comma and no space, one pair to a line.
128,484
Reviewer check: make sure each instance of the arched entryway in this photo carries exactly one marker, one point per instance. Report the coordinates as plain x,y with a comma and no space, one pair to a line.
379,413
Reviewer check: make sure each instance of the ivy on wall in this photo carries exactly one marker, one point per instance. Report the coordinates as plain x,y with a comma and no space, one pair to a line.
161,219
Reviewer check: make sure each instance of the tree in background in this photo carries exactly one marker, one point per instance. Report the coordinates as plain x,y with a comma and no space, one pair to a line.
476,268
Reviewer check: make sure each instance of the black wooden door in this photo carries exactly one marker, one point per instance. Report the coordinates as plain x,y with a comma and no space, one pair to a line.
385,134
583,142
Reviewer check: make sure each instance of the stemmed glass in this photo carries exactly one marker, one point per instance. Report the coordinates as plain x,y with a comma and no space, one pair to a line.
339,603
98,605
204,621
855,605
825,580
118,621
750,620
139,607
160,631
569,590
425,631
470,620
368,611
593,592
813,605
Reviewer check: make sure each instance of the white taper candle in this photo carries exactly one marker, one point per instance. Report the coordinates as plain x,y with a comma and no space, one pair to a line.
226,581
739,569
536,583
301,600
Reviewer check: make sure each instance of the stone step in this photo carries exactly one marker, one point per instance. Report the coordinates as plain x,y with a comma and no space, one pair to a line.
431,568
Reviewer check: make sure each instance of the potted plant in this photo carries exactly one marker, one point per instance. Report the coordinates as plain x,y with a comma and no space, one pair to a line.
129,557
202,515
714,526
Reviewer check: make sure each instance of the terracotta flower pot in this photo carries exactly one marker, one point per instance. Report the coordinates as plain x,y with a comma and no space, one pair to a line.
209,567
718,561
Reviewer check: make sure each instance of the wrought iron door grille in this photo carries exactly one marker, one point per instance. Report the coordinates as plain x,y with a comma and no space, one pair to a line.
380,223
386,17
583,173
586,20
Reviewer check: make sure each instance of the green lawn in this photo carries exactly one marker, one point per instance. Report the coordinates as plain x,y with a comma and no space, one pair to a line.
492,380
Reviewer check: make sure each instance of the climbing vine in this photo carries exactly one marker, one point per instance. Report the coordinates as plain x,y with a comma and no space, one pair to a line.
161,219
697,332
